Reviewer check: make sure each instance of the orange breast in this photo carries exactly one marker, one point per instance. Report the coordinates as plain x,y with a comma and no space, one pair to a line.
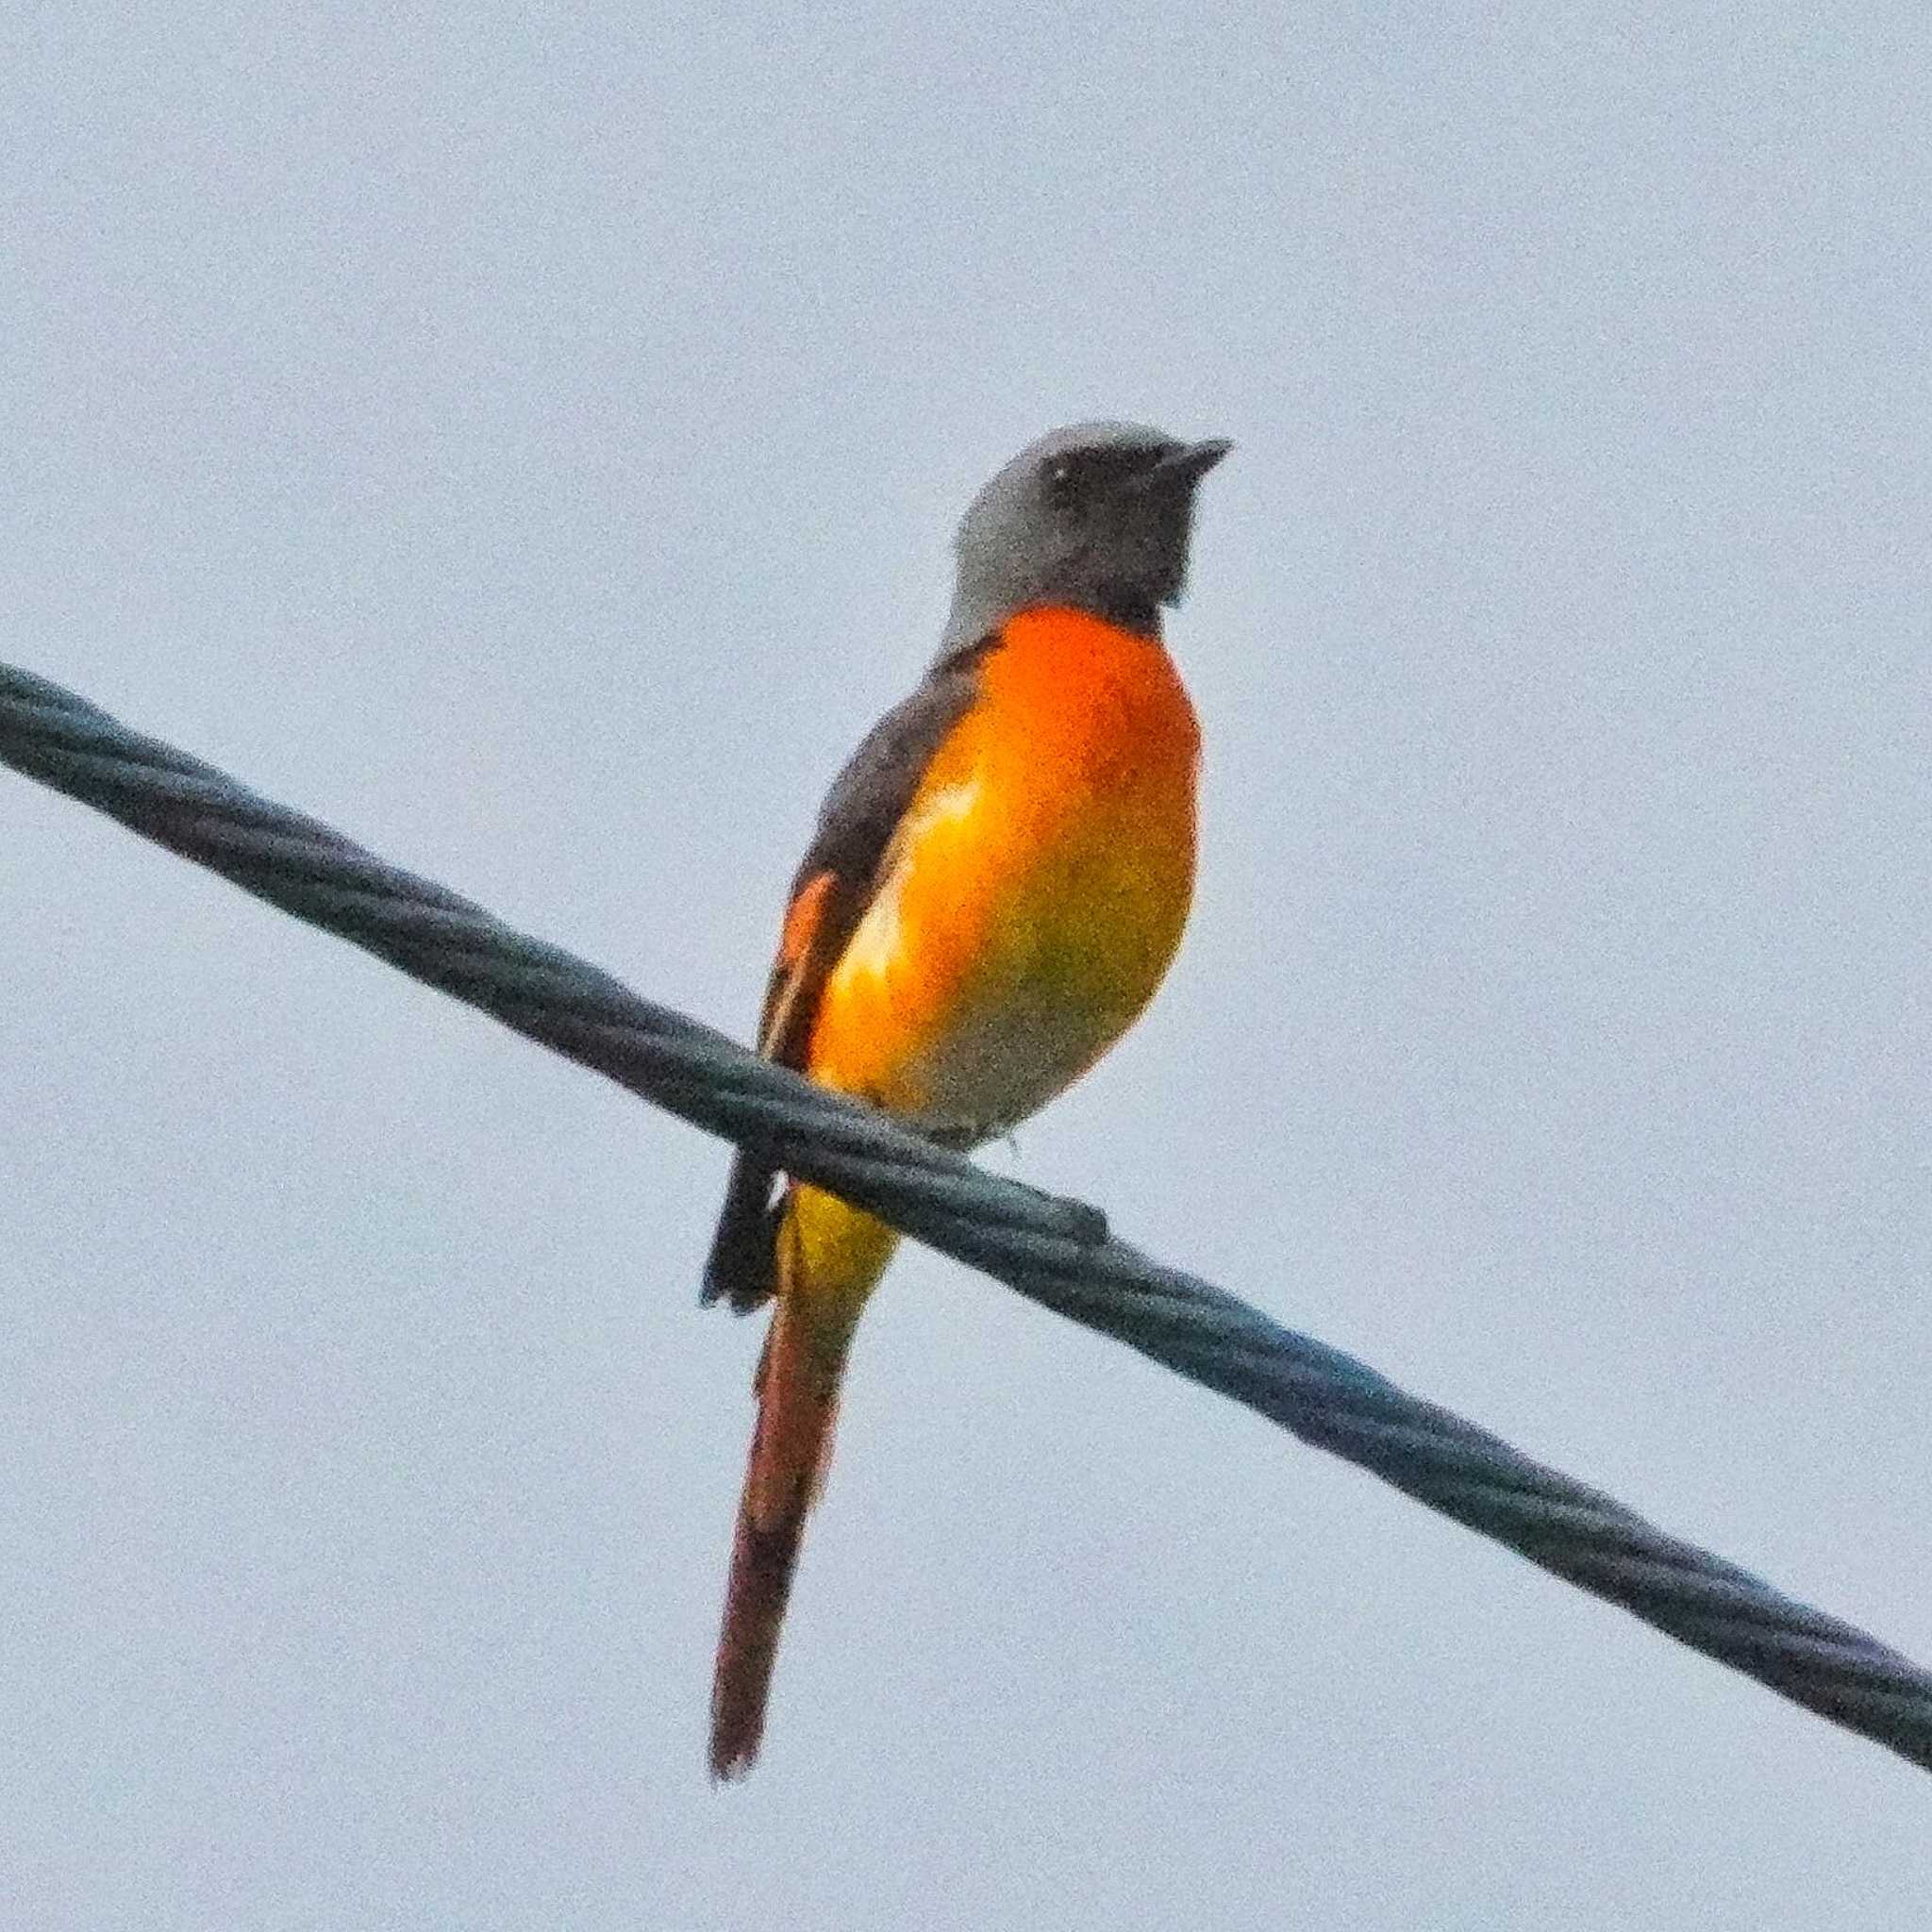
1037,889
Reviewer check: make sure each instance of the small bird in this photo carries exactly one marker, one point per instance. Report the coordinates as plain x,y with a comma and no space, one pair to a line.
997,883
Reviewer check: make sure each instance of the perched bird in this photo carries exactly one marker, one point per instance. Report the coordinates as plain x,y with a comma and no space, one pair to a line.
997,883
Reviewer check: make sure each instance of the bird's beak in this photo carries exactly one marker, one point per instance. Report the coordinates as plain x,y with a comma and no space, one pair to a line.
1184,466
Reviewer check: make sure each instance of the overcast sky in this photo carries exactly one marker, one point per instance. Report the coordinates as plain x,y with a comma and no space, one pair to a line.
529,439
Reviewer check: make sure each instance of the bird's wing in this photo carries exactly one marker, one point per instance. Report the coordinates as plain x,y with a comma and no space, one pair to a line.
835,883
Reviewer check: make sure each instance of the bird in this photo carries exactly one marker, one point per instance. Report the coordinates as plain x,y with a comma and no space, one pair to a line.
996,885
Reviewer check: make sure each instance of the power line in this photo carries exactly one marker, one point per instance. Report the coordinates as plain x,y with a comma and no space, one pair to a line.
1056,1251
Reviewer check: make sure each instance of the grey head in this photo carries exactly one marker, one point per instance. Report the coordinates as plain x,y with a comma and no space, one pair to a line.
1096,516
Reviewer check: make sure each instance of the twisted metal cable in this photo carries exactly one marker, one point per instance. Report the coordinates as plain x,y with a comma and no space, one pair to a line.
1056,1251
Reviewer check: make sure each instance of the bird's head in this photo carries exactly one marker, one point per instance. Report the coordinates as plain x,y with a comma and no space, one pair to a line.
1096,516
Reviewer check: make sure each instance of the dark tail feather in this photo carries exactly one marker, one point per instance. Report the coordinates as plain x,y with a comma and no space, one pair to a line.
742,1267
798,1399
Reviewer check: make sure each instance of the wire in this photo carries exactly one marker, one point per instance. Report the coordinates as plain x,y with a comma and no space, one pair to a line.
1056,1251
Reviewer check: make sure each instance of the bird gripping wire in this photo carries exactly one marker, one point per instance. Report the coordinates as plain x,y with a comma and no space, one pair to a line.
1055,1252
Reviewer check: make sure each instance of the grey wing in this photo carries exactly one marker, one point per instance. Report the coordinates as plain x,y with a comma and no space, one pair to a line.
869,797
833,885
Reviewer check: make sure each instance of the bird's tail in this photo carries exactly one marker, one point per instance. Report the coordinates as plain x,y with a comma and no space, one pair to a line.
797,1390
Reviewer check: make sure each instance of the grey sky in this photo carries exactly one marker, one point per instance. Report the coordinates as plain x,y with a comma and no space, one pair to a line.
530,440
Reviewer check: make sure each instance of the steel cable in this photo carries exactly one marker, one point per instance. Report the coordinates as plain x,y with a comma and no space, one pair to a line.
1056,1251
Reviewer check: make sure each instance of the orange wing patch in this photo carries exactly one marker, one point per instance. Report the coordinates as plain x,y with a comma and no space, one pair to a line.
793,972
802,918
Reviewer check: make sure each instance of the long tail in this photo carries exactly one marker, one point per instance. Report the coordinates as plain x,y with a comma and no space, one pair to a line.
798,1400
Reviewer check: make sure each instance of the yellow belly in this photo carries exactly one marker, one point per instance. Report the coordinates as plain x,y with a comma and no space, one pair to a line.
1036,892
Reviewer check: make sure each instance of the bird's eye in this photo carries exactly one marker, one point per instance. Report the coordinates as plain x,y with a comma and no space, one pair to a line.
1063,485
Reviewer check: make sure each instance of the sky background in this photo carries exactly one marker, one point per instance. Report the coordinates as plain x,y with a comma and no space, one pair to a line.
529,439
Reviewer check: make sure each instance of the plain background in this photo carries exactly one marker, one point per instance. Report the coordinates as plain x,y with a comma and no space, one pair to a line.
529,439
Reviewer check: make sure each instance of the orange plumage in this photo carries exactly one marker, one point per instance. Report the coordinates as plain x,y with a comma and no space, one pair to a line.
1043,875
957,961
